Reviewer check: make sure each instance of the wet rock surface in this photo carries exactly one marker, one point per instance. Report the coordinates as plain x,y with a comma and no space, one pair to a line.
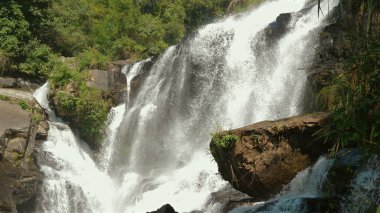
347,163
277,28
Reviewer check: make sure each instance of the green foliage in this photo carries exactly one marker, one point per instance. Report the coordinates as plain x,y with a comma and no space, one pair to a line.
14,28
87,111
17,156
93,59
150,31
63,75
200,12
22,24
37,116
71,20
67,103
237,6
93,118
95,31
86,108
354,100
39,62
23,105
4,98
223,142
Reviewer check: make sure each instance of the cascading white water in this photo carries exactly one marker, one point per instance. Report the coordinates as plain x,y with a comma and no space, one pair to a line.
72,181
228,75
115,117
212,79
365,189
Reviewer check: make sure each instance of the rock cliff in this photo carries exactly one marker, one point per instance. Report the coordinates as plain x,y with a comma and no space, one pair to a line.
22,132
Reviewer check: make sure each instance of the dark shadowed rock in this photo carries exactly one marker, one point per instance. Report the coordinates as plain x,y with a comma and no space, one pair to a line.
167,208
267,155
117,83
277,28
339,177
139,79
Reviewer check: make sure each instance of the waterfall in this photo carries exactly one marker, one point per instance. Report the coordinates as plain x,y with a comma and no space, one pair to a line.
226,75
72,181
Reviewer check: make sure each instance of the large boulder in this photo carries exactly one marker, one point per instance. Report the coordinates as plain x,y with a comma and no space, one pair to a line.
113,83
261,158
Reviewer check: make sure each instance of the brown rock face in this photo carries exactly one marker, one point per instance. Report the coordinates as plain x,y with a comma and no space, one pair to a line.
267,155
20,177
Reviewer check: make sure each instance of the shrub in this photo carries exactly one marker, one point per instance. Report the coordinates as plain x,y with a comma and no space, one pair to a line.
223,142
86,110
4,98
92,59
354,100
62,75
23,105
40,60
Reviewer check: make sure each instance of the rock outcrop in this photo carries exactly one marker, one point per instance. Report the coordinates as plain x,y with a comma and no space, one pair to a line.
22,133
117,82
112,82
20,83
261,158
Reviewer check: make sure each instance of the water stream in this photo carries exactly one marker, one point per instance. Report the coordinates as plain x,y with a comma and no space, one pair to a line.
227,75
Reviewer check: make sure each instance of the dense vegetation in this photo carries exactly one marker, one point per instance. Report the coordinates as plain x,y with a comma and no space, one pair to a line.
35,32
353,95
353,98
